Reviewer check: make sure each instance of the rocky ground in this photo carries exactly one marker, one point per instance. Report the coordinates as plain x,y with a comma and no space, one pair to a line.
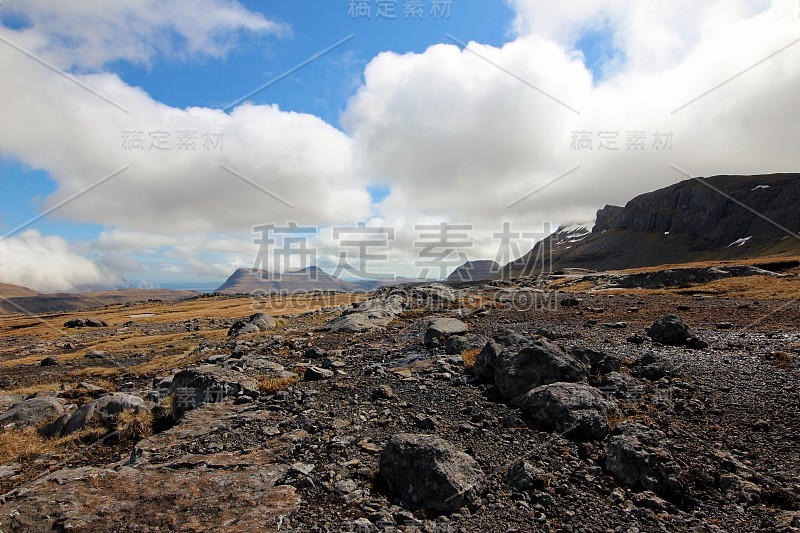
490,407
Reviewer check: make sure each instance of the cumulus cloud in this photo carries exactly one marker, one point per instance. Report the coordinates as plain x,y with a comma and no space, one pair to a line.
48,264
85,35
455,136
215,171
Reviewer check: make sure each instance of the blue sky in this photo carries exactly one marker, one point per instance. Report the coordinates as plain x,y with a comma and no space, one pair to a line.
432,134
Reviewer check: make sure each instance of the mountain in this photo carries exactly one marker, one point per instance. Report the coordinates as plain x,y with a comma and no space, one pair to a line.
480,270
13,291
49,303
248,280
703,219
372,284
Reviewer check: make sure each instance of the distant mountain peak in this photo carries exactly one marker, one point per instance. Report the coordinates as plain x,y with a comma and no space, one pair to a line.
475,270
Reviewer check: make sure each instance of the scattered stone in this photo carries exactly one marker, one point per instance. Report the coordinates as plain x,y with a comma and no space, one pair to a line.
424,422
739,490
49,361
382,392
615,325
315,353
724,325
524,477
599,362
440,329
458,344
426,471
103,410
96,354
85,323
570,302
212,384
315,373
762,425
487,359
636,339
352,323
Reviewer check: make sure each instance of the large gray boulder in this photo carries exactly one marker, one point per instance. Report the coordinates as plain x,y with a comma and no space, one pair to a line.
352,323
433,294
382,310
504,344
672,331
576,410
210,384
538,362
253,324
458,344
427,471
34,412
440,329
637,459
103,411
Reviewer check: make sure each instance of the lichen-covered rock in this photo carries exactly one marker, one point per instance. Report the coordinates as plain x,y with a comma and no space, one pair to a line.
538,362
442,328
34,412
636,457
426,471
672,331
576,410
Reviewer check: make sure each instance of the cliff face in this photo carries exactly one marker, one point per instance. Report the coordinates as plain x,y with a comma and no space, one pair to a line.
724,217
713,210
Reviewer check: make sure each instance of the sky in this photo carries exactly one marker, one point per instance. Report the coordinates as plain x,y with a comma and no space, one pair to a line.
144,143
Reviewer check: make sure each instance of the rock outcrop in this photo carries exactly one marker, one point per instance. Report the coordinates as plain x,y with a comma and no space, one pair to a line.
427,471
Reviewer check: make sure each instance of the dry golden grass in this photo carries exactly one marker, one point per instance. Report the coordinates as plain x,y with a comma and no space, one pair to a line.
163,363
780,359
469,357
704,264
133,425
21,444
35,359
33,389
101,372
271,385
26,443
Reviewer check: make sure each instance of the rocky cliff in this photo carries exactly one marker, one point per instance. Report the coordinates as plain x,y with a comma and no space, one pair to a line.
716,218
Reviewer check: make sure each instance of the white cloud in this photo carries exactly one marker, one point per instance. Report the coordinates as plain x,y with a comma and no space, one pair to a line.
87,34
79,138
47,264
456,137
